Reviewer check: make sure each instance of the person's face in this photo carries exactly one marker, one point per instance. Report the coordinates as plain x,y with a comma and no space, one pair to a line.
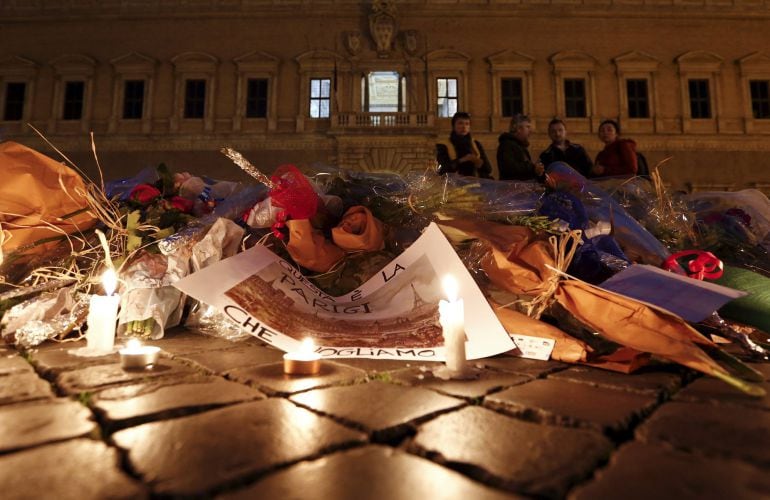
462,126
557,132
523,131
607,133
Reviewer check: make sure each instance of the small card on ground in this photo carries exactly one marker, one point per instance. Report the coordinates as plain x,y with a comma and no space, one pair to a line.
534,347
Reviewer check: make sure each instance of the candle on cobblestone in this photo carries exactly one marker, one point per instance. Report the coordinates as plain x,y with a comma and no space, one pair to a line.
103,315
137,356
302,362
452,319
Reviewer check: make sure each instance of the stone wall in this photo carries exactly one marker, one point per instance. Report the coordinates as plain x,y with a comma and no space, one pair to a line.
45,43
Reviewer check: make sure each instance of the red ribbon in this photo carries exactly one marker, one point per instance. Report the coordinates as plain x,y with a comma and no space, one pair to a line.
704,265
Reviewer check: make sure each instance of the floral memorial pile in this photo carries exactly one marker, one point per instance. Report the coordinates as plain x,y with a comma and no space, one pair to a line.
574,263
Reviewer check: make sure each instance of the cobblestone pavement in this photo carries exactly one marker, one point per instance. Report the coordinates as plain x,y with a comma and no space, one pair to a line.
219,419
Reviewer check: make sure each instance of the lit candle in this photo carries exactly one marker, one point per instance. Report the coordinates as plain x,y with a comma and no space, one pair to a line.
103,315
302,362
136,355
452,319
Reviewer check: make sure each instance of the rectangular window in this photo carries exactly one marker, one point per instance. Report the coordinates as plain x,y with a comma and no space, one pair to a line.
638,100
73,100
320,97
256,98
760,99
446,90
574,97
133,99
195,98
14,101
512,97
700,102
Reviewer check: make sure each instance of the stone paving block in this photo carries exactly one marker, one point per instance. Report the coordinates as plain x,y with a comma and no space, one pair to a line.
195,454
97,377
180,340
709,389
272,381
121,405
580,405
531,367
658,382
12,363
23,387
487,381
524,457
642,471
724,430
76,469
36,423
224,360
369,473
381,409
381,365
52,361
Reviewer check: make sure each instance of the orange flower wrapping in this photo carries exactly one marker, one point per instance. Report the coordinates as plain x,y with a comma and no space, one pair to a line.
308,247
35,193
359,231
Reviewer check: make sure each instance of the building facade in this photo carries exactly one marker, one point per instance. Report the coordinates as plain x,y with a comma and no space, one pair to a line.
371,85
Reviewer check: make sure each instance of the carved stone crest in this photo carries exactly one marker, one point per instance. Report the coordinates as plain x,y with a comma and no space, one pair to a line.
352,42
383,25
411,42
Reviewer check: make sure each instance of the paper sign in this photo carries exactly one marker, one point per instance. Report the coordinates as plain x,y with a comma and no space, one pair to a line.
394,315
692,300
534,347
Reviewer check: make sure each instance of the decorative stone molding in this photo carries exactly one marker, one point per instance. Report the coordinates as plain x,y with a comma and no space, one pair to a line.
199,66
68,68
132,66
510,64
319,64
256,64
642,66
352,42
447,63
755,66
700,64
579,65
383,26
17,69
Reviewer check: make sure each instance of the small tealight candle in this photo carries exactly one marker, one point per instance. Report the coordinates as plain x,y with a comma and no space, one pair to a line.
452,319
302,362
137,356
103,315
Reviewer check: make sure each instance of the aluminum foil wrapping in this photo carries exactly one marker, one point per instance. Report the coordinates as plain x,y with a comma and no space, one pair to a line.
47,316
222,241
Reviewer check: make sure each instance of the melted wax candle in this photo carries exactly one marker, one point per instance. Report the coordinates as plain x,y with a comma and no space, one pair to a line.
302,362
103,315
452,319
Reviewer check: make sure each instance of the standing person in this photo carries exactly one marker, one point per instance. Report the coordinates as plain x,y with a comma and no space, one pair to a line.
561,149
513,158
461,153
618,156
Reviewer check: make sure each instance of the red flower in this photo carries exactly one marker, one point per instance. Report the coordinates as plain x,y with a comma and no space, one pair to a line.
144,194
182,204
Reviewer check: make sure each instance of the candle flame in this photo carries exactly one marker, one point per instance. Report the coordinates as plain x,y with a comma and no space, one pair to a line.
109,281
451,287
307,346
134,344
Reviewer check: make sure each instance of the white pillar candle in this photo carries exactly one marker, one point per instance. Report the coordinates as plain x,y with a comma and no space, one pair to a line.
103,316
452,319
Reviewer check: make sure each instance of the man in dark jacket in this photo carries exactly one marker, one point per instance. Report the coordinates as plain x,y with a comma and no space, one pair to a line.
513,158
565,151
461,153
